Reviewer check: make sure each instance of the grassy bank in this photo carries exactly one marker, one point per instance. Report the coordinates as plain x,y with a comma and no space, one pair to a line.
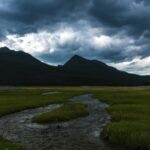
130,111
65,113
7,145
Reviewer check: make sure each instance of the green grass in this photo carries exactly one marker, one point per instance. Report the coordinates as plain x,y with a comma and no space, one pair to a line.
130,111
65,113
129,108
16,100
7,145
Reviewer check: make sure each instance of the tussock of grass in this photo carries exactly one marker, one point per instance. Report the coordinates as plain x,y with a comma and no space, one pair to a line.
7,145
64,113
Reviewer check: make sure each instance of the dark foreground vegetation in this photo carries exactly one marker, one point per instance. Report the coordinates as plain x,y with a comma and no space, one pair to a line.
129,108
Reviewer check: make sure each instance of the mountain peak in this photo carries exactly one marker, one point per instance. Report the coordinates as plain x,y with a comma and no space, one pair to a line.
75,60
77,57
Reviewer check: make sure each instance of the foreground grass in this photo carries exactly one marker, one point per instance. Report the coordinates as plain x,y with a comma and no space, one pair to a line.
65,113
129,108
130,111
7,145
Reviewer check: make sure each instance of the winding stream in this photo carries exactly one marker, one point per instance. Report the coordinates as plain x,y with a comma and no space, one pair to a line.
78,134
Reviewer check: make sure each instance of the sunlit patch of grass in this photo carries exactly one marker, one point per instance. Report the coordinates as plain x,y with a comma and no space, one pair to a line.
65,113
7,145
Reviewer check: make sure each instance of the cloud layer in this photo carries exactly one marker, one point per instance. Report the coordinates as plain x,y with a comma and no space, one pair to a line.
114,31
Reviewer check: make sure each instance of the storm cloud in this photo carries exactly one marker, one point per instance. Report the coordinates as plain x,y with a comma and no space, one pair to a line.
114,31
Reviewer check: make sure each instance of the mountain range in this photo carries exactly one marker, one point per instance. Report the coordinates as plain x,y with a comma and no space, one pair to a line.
18,68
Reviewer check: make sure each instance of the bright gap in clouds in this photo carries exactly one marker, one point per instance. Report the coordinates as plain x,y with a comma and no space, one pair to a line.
138,65
104,41
35,43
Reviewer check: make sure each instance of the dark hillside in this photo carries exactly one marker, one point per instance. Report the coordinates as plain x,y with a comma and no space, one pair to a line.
20,68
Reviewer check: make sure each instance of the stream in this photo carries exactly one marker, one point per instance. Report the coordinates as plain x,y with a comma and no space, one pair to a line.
78,134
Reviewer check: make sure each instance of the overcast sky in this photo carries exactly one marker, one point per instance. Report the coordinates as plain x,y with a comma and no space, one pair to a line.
116,32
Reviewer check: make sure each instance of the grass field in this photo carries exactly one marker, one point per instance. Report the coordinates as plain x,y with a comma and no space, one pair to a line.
65,113
129,108
130,111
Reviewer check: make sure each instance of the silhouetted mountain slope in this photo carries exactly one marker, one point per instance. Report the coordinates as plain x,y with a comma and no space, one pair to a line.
82,65
20,68
17,68
94,72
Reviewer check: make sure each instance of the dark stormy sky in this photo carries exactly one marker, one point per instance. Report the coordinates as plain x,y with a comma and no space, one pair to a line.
114,31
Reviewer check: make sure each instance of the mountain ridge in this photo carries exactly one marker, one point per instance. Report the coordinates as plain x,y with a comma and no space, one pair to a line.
20,68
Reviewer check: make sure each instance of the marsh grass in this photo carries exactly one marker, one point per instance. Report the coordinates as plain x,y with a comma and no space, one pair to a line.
16,100
129,108
65,113
7,145
130,111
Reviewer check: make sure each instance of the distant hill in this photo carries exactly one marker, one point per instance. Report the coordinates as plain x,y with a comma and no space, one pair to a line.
19,68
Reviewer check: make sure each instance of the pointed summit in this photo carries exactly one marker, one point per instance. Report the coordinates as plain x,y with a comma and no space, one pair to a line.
78,64
75,60
77,57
